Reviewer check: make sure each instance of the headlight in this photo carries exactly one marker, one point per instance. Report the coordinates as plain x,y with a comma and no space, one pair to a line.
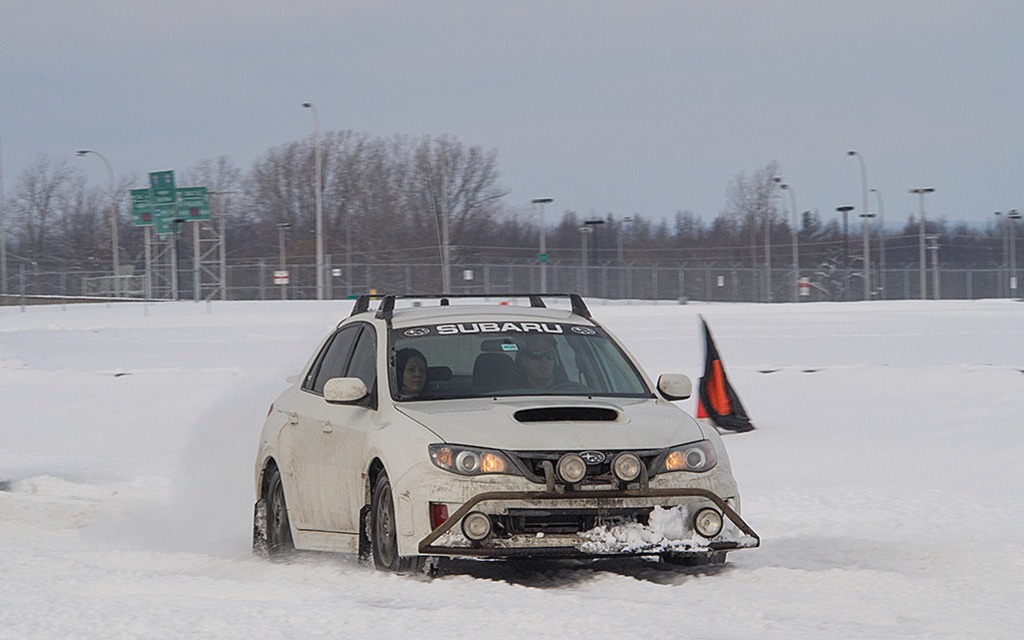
469,461
695,457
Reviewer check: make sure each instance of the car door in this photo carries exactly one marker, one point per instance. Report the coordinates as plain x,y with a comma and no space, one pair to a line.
301,441
332,482
345,431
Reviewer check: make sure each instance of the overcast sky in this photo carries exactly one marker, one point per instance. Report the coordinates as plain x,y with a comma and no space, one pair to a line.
621,107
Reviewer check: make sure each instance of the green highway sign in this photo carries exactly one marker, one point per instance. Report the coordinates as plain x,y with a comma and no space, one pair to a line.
161,204
142,207
542,257
194,203
165,217
161,184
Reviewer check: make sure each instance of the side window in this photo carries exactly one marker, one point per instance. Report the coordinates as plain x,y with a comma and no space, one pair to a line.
364,358
333,360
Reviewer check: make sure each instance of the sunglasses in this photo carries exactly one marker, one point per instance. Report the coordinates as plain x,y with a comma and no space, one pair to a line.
541,355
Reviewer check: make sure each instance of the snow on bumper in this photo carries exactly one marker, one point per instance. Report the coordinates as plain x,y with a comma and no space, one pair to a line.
667,530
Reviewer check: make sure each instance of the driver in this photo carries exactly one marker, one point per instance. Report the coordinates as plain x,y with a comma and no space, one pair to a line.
536,358
411,366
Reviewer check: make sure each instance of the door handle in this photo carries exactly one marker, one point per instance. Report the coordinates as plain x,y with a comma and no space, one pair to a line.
327,426
293,418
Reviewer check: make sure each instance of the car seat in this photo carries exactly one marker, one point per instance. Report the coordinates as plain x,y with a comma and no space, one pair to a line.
492,371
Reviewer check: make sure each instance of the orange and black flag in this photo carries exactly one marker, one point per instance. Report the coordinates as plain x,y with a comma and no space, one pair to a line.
718,402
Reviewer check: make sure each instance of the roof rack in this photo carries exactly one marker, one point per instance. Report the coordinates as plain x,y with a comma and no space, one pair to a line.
387,301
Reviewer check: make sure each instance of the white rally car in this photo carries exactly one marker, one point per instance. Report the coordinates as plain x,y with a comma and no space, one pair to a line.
451,427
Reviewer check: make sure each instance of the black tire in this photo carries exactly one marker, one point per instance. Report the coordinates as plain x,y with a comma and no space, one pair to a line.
711,559
278,531
383,532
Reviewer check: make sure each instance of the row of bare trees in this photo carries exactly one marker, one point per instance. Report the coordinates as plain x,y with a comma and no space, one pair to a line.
389,199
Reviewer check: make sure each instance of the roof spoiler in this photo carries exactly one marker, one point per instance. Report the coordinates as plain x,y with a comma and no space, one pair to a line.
387,301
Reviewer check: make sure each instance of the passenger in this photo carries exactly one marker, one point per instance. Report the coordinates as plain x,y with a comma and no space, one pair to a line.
411,366
536,358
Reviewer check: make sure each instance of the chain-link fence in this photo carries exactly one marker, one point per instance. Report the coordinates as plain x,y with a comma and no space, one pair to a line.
680,282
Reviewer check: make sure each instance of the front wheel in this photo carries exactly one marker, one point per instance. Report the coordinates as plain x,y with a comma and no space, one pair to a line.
383,531
711,559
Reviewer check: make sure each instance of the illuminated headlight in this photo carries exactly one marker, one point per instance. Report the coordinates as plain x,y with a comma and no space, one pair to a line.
476,526
694,457
708,522
626,467
571,468
469,461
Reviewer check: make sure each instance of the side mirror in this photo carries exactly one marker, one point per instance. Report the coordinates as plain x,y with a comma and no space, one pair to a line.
344,390
675,386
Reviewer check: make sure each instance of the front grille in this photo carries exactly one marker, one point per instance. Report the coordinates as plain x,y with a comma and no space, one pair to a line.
529,463
564,521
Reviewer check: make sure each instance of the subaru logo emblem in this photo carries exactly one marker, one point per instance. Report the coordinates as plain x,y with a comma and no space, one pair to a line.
592,457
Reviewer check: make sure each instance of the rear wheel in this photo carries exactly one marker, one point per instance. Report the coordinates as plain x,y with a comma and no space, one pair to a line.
383,531
278,530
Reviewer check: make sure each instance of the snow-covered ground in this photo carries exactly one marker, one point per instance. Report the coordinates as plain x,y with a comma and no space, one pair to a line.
885,479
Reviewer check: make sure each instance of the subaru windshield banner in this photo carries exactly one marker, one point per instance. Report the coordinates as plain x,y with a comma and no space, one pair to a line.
457,328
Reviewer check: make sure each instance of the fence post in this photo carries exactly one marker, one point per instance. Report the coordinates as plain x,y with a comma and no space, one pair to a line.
22,287
262,280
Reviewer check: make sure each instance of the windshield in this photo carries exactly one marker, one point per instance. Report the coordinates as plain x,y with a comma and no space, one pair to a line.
489,359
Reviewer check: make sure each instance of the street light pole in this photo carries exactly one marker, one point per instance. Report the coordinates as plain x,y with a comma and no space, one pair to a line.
542,256
619,238
767,255
846,251
1013,216
319,204
920,226
113,218
864,212
3,229
934,247
881,245
591,227
867,252
585,230
795,225
1004,245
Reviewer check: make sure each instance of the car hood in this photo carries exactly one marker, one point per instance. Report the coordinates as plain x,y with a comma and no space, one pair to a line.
556,424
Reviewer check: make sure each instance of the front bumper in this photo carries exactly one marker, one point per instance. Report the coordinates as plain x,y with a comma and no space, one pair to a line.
638,539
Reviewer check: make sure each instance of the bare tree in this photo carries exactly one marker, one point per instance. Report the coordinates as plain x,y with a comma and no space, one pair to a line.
78,231
457,187
39,196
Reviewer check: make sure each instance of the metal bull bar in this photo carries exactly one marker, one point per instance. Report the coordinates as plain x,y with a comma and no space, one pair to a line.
426,546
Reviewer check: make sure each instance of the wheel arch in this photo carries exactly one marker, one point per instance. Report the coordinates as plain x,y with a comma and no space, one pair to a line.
373,471
269,466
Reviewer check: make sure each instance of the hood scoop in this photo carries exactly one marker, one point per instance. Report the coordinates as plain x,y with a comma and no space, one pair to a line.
567,414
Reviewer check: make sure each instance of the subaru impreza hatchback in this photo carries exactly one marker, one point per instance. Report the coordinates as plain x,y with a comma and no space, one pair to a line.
449,426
